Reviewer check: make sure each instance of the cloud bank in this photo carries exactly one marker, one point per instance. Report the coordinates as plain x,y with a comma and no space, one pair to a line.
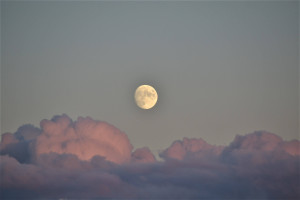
89,159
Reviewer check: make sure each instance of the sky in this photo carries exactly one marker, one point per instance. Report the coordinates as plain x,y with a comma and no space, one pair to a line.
220,68
226,124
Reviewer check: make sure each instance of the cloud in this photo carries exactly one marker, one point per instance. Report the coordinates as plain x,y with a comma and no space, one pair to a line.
89,159
84,138
143,155
190,149
14,147
27,132
266,161
33,181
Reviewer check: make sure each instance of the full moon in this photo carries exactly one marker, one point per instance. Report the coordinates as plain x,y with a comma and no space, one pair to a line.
145,96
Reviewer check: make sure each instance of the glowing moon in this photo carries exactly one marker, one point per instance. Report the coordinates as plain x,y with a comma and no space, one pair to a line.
145,96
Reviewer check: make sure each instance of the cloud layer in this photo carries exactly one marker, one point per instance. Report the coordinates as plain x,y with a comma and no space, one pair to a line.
94,160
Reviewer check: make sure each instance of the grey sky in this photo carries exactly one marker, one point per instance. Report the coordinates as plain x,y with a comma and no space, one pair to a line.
220,68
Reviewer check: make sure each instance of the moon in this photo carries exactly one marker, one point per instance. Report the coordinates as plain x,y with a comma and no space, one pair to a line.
145,96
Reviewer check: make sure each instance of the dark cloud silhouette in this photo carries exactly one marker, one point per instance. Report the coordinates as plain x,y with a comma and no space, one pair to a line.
89,159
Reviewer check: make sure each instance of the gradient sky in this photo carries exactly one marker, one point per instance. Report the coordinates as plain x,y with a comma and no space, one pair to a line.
220,68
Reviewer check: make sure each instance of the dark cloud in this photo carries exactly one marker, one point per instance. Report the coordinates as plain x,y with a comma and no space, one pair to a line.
27,132
89,159
16,147
267,162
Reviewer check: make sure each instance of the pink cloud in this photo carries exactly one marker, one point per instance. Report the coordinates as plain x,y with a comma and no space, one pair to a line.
190,148
143,155
84,138
6,139
291,147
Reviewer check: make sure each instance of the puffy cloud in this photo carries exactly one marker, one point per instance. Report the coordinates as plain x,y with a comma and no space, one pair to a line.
89,159
190,149
268,162
17,145
27,132
259,147
7,139
143,155
84,138
11,146
291,147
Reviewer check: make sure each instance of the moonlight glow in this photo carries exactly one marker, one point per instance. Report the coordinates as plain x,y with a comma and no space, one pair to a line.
145,96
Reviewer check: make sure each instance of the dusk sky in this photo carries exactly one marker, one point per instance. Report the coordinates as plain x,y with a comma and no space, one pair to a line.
220,69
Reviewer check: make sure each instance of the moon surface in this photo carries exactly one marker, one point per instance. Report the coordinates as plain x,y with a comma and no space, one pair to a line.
145,96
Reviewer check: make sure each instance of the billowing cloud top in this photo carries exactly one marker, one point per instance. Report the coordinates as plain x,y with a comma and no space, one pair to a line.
84,138
89,159
190,149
